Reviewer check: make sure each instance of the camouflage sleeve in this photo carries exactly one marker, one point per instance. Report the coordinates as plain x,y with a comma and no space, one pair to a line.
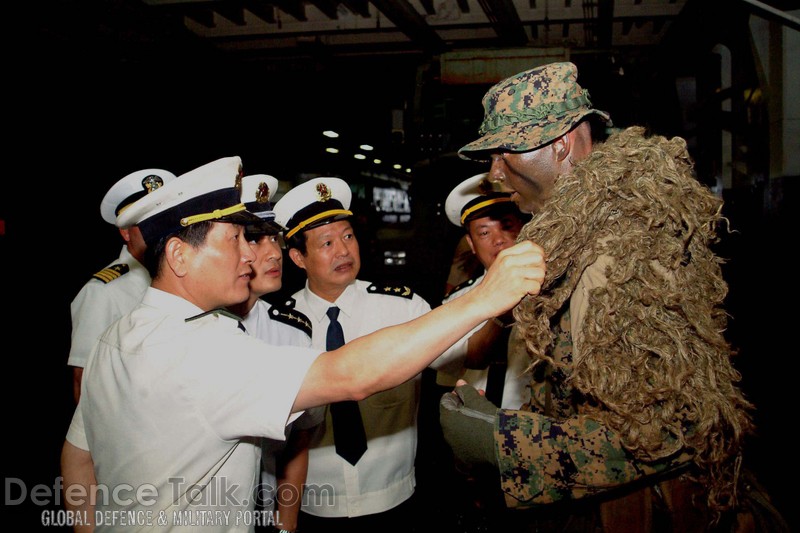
542,460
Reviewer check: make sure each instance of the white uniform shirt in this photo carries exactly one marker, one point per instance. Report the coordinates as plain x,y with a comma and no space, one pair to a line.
261,323
384,476
98,304
515,388
178,407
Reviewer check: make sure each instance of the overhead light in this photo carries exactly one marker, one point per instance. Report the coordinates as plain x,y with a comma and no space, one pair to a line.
397,167
377,161
408,171
366,147
360,156
392,257
330,133
332,150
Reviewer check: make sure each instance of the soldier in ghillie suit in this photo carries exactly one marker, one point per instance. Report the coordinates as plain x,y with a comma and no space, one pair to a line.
634,399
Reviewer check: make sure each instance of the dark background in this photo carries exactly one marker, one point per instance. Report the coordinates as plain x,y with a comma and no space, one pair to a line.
81,114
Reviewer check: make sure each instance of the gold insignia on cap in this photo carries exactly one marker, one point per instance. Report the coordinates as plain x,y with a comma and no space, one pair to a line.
262,193
151,183
323,192
239,175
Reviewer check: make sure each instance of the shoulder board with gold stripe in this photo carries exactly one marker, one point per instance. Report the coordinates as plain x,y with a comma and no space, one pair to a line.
111,273
287,314
403,291
462,285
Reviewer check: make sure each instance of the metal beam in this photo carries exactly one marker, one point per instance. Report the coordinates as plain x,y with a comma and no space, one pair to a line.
769,12
201,15
328,7
233,11
427,5
411,23
604,28
359,7
295,8
505,21
261,9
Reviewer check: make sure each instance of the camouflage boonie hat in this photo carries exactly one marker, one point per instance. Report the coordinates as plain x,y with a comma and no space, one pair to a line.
531,109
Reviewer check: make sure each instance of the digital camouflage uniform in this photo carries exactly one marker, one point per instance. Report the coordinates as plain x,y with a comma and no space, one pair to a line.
550,451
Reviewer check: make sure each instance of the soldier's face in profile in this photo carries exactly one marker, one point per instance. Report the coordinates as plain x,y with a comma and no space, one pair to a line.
530,174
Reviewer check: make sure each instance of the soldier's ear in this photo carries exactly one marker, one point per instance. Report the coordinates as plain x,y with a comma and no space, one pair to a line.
561,146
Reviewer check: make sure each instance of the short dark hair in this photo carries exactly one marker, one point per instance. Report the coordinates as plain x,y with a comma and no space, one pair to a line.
298,240
194,234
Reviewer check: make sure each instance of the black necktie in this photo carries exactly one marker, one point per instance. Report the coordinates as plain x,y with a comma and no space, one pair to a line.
348,429
496,377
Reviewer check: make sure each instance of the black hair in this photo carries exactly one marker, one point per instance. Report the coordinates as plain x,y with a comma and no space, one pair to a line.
194,235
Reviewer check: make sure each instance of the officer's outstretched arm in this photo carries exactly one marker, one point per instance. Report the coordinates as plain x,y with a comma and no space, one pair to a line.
393,355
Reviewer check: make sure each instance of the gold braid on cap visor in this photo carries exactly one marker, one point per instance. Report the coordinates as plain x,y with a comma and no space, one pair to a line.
320,216
214,215
481,205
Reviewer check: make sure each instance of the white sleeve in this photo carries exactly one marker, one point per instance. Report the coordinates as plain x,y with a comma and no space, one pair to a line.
76,434
92,312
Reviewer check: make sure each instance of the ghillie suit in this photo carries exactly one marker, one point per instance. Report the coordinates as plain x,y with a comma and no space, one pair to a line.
652,364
